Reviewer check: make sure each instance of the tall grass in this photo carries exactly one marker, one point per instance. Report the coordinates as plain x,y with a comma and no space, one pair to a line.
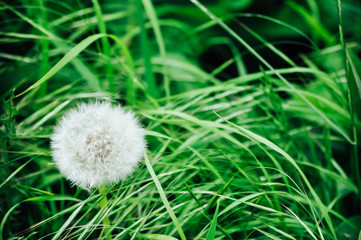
252,119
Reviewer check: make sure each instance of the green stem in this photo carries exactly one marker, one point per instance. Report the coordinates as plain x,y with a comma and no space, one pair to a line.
103,207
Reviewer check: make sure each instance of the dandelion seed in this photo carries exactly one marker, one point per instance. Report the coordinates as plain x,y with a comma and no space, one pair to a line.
97,144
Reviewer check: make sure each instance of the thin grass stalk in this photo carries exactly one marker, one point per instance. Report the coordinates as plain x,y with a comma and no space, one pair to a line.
132,18
44,49
58,42
149,9
106,46
164,198
354,148
132,22
205,213
146,52
270,67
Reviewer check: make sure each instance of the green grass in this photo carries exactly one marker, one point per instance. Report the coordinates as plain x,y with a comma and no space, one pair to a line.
252,118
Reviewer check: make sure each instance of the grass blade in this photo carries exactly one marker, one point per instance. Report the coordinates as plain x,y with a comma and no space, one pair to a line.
106,45
164,198
212,230
146,53
269,66
65,60
14,173
158,35
68,221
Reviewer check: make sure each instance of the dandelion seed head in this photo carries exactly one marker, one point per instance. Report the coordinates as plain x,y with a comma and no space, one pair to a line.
97,144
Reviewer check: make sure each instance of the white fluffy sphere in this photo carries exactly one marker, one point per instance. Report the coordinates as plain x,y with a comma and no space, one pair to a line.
97,144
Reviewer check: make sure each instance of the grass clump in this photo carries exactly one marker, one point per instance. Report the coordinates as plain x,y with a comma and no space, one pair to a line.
252,119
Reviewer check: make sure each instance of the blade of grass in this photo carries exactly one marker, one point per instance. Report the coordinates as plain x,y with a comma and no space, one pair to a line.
106,45
44,48
154,237
47,117
269,45
322,207
318,29
148,6
64,61
35,199
269,66
146,52
204,213
14,173
212,229
85,72
216,127
164,198
129,69
347,64
281,232
30,21
69,17
269,235
68,221
302,223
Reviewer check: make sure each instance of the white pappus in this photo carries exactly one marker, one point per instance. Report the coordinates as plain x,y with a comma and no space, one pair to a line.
97,144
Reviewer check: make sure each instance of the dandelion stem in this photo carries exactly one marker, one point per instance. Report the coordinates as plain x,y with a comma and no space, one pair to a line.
103,206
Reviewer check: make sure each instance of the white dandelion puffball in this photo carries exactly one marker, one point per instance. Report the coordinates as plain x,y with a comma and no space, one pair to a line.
97,144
